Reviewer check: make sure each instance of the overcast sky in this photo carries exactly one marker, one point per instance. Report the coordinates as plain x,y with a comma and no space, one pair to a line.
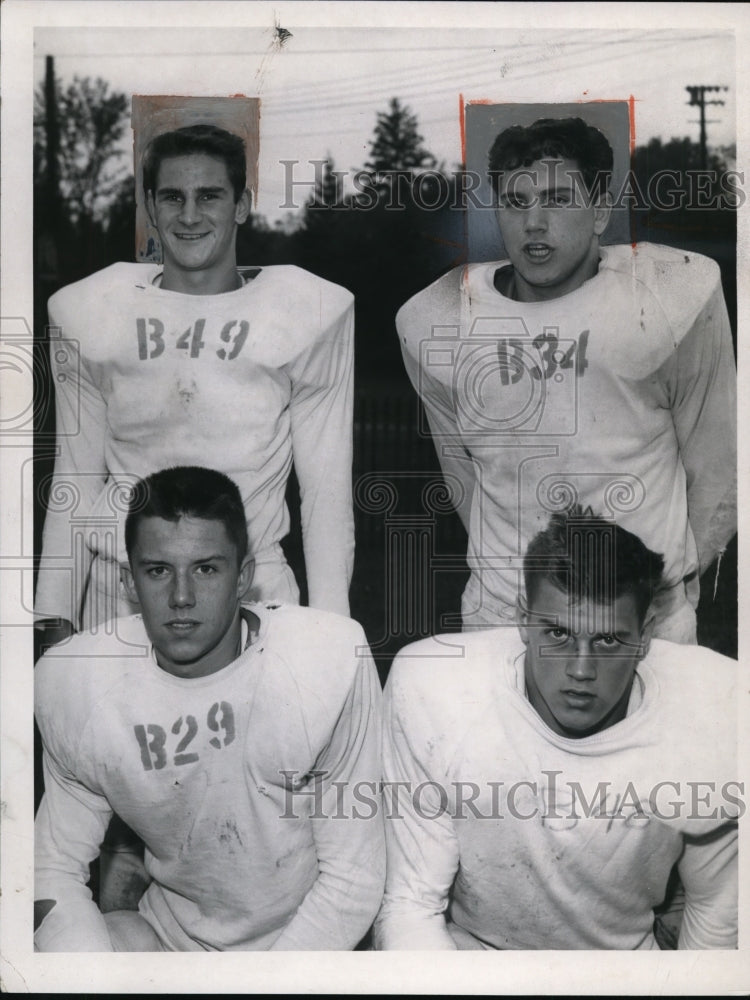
320,91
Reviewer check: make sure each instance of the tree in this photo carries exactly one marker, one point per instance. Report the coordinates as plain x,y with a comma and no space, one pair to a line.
386,241
260,244
328,191
78,131
91,122
328,240
397,145
674,182
689,206
119,237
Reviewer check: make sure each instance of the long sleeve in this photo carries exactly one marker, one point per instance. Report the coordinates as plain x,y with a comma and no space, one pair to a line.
422,850
69,829
708,869
702,385
79,475
321,419
439,405
347,828
455,462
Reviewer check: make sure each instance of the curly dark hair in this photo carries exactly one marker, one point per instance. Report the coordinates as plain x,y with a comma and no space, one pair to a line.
554,138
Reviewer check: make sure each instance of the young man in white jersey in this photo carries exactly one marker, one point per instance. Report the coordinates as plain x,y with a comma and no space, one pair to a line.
198,362
577,371
228,736
540,782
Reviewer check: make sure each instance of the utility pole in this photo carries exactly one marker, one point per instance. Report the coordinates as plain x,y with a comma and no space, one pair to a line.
698,98
47,267
52,134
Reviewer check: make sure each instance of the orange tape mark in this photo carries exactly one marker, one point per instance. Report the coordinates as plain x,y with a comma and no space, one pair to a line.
462,126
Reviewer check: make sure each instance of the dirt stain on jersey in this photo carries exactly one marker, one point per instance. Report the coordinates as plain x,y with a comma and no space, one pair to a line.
230,833
187,392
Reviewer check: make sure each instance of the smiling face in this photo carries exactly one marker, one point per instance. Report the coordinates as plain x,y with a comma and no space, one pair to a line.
581,659
550,227
186,577
194,210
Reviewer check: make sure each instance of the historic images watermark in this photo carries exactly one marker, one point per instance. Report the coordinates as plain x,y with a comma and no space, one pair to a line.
548,800
433,190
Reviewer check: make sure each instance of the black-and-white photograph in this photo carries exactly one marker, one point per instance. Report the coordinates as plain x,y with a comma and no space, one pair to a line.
369,448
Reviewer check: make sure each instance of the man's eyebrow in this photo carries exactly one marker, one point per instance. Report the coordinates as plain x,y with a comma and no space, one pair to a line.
511,190
212,189
539,618
144,561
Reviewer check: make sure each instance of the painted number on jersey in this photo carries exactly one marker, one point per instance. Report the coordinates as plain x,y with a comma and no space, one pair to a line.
514,357
157,745
226,344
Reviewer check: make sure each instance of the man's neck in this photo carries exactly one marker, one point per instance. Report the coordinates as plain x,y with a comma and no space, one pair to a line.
510,284
200,282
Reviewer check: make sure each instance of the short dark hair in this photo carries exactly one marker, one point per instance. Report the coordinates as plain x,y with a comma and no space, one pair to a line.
188,491
590,557
208,139
554,138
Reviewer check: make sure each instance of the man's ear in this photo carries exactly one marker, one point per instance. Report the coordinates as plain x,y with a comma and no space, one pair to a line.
126,579
602,213
247,571
151,208
646,633
242,208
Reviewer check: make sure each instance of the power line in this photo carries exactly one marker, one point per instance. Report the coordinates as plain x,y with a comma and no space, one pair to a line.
639,38
262,52
482,75
328,96
331,88
277,108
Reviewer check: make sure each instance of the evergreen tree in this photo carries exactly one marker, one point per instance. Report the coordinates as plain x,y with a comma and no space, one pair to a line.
328,191
397,145
328,239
